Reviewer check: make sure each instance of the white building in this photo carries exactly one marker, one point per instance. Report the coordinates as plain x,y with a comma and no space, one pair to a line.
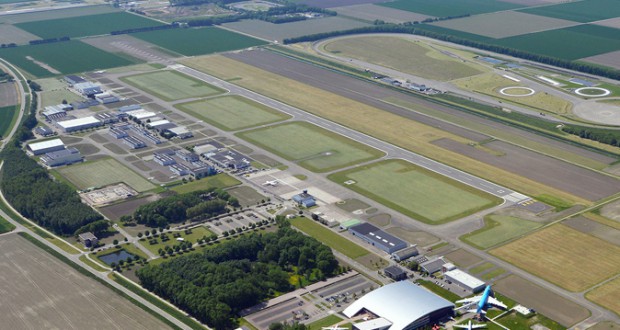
141,114
62,157
40,148
87,88
464,280
73,125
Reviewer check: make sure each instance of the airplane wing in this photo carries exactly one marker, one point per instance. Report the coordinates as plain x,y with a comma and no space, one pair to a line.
467,301
496,303
462,326
478,326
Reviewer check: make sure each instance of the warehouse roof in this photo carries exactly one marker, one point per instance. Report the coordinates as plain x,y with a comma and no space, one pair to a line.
78,122
45,144
464,278
376,234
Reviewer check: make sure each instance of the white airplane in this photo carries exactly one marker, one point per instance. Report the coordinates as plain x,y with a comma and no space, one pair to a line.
334,327
271,183
470,326
481,302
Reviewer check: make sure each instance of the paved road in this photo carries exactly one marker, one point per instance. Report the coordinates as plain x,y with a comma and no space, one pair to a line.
391,150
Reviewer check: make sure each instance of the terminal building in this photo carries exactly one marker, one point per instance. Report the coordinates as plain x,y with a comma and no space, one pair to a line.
377,237
62,157
464,280
73,125
399,306
39,148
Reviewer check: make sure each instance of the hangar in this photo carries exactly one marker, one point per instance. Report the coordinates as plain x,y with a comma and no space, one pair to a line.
39,148
73,125
377,237
399,306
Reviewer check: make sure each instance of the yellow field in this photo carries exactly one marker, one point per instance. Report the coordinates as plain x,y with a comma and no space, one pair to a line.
607,295
564,256
397,130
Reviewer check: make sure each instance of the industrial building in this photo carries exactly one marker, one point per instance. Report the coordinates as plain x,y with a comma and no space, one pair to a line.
304,199
202,170
56,112
88,239
73,125
39,148
72,80
179,169
130,107
377,237
141,114
84,104
161,125
187,155
164,160
43,131
204,149
106,98
432,265
396,273
405,253
133,142
181,131
62,157
107,118
399,306
87,88
229,159
464,280
118,133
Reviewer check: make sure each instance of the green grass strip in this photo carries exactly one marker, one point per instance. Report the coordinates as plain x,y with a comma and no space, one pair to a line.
329,238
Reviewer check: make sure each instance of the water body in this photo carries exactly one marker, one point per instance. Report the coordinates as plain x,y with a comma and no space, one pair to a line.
116,257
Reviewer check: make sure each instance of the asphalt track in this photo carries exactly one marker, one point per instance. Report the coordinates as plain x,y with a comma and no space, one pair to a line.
391,150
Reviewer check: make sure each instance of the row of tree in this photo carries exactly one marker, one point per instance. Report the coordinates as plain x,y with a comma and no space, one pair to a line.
276,15
146,29
607,136
200,2
48,41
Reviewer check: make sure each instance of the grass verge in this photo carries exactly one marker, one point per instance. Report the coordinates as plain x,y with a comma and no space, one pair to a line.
329,237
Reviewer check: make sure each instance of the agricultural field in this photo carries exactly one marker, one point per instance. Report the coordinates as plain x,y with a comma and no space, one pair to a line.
53,97
44,293
504,24
232,113
55,14
104,172
314,148
447,8
53,59
8,94
329,238
611,59
91,25
221,180
607,295
247,196
498,229
371,12
7,116
419,193
403,55
546,252
270,31
11,34
171,85
198,41
579,11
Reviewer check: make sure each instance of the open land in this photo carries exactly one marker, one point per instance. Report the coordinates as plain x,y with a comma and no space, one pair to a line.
58,13
221,180
54,97
6,118
607,295
172,85
11,34
39,291
116,211
198,41
463,258
450,7
271,31
102,173
232,113
403,55
414,191
420,238
370,12
594,228
546,252
246,195
8,94
498,229
336,3
315,148
134,47
330,238
611,59
579,11
91,25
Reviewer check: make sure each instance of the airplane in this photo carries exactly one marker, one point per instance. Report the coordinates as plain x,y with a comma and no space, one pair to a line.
470,326
481,301
271,183
334,327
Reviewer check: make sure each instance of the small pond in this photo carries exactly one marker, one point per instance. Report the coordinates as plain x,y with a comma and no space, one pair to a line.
116,257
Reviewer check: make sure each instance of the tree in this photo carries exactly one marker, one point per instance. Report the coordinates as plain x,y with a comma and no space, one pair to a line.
115,242
140,235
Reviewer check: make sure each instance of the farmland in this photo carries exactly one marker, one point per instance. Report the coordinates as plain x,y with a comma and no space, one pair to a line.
498,229
7,116
55,14
559,247
90,25
371,12
450,7
172,85
607,295
414,191
102,173
579,11
198,41
329,238
403,55
232,113
221,180
63,57
9,33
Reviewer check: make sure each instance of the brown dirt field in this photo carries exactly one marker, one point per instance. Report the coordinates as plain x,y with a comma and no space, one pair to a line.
41,292
115,148
542,300
129,45
8,94
141,166
560,255
114,212
612,211
336,3
87,149
605,325
420,238
351,205
370,12
607,295
611,59
594,228
12,34
463,258
98,138
550,171
380,220
612,23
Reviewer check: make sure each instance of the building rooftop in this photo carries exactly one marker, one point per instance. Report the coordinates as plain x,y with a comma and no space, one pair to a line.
464,278
394,271
378,323
46,144
61,153
376,234
87,235
90,120
141,114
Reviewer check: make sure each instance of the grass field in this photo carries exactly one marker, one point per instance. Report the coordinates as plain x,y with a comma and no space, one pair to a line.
171,85
247,196
5,226
329,237
579,11
607,295
498,229
446,8
560,255
196,234
232,113
416,192
65,57
7,118
481,268
201,41
403,55
90,25
58,13
324,322
102,173
315,148
221,180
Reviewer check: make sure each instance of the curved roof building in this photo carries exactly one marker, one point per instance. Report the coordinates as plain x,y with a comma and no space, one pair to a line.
399,306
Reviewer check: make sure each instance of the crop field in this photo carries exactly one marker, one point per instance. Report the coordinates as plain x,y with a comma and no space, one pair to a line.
41,292
403,55
570,43
611,59
329,237
559,254
414,191
579,11
59,13
8,94
221,180
11,34
172,85
446,8
63,57
91,25
232,113
6,118
607,295
314,148
371,12
504,24
102,173
198,41
499,229
270,31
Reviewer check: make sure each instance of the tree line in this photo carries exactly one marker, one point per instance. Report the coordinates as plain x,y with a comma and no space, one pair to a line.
272,15
214,286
